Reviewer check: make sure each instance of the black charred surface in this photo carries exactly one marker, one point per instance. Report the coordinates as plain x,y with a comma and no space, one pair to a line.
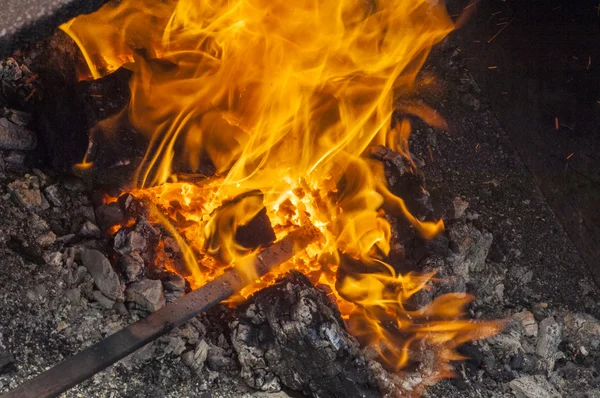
291,334
24,21
258,232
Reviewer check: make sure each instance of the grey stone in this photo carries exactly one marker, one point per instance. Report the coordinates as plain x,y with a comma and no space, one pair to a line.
146,295
105,278
533,387
89,230
15,137
548,341
26,192
74,295
131,265
103,300
76,276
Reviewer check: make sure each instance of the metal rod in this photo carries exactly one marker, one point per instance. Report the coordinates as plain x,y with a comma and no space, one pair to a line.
92,360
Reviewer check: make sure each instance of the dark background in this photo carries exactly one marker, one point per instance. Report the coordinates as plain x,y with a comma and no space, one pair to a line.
538,63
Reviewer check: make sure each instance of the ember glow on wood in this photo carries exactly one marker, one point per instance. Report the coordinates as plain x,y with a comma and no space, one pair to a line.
108,351
285,99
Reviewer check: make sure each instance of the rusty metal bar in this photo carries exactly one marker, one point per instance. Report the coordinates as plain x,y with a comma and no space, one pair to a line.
90,361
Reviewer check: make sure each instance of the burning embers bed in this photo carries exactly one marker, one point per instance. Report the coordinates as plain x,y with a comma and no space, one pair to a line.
284,100
291,104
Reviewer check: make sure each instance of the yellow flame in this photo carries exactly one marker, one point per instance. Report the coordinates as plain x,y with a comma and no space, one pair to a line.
285,97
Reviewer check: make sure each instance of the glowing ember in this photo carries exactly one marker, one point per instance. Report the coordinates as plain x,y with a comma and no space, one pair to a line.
284,97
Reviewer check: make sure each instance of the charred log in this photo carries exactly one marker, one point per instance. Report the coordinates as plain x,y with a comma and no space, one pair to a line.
291,334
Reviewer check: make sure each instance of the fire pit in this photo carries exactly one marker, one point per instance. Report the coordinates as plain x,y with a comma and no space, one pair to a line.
228,189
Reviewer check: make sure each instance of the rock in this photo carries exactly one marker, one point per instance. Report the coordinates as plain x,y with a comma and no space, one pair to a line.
46,240
89,230
132,265
533,387
13,136
26,192
528,322
54,195
129,241
105,278
109,215
146,295
460,206
548,341
103,300
7,361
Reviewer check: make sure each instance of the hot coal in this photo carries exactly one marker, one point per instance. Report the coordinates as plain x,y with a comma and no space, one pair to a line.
291,334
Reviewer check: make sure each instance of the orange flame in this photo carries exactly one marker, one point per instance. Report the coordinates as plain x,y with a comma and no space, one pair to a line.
284,97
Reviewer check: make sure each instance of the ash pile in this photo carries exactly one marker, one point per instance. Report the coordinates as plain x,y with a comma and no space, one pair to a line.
66,284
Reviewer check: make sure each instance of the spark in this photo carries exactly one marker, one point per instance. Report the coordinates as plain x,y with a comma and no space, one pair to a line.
492,67
501,29
556,125
570,156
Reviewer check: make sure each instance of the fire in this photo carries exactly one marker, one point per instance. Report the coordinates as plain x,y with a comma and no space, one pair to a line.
284,98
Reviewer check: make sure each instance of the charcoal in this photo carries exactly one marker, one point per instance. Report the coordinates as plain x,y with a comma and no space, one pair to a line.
89,230
459,206
132,265
528,322
174,286
7,361
46,240
146,295
109,215
291,334
132,207
105,278
217,359
17,117
533,387
196,358
52,192
28,251
582,330
549,337
129,241
16,137
15,158
258,232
